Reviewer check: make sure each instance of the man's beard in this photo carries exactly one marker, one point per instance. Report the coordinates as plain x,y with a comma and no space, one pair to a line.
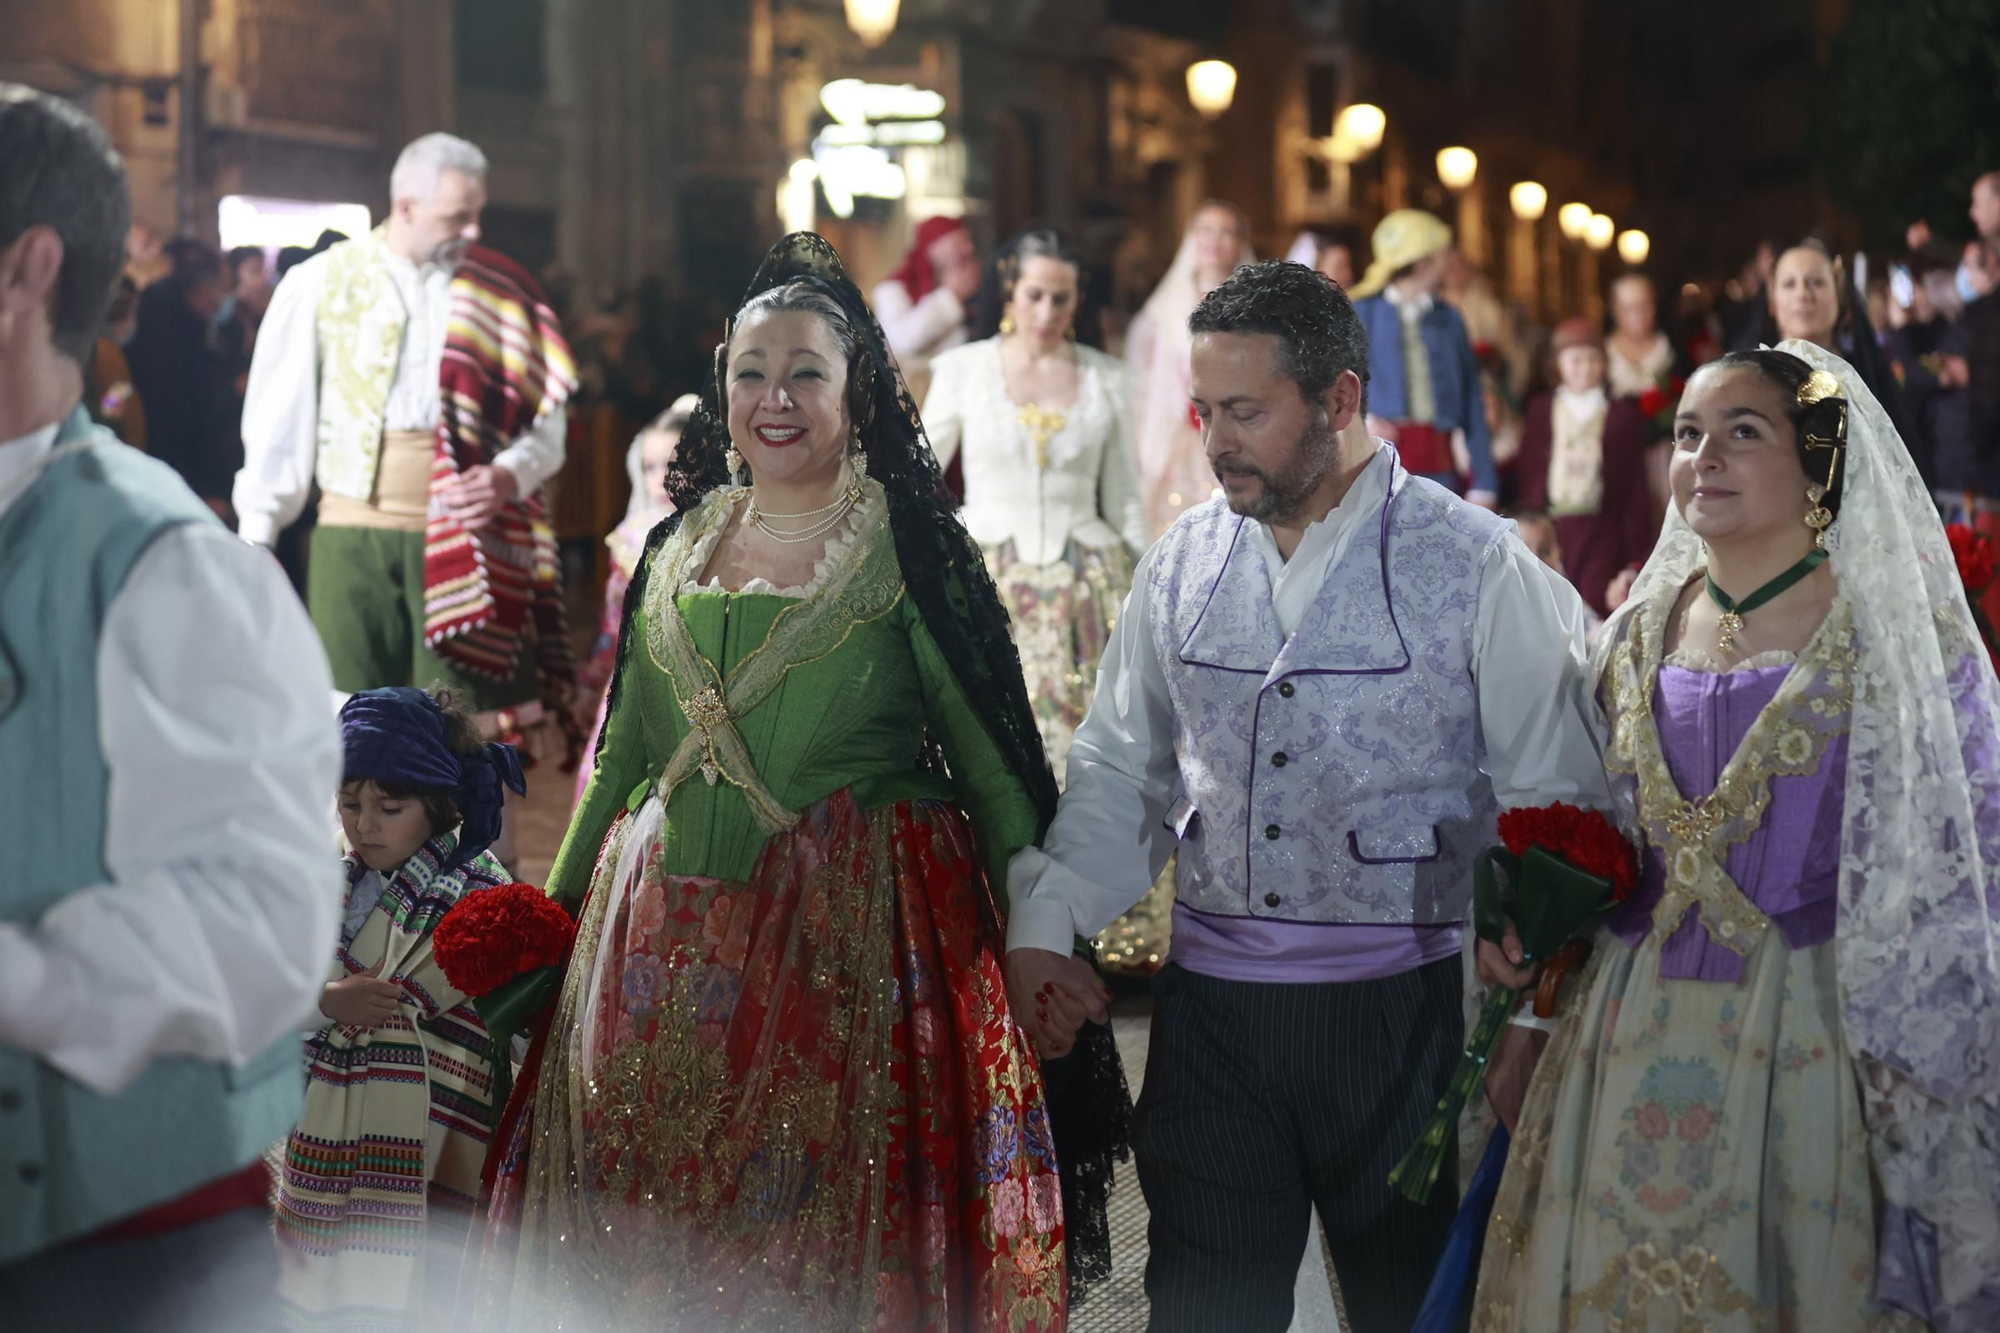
1287,488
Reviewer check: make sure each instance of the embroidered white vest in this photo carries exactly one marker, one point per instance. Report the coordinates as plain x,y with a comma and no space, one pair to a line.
361,320
1334,776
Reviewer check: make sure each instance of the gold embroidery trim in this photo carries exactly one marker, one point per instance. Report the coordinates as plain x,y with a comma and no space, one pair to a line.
1788,739
866,586
1692,1278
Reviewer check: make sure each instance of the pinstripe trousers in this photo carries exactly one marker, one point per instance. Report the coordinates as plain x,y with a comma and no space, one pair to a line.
1264,1101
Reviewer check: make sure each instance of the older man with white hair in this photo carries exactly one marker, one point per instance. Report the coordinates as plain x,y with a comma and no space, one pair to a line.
420,379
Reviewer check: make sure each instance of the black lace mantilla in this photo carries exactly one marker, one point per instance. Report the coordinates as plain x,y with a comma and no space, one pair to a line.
1090,1106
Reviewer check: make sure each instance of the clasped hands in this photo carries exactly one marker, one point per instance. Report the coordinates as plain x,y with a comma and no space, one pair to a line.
1052,995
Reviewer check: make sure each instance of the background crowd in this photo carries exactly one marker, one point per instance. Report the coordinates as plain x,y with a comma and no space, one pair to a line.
1921,324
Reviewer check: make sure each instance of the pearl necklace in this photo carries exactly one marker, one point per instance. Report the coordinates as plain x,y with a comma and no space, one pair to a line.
835,513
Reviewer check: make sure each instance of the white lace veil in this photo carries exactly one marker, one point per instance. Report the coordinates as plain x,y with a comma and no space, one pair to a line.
1166,448
642,506
1918,934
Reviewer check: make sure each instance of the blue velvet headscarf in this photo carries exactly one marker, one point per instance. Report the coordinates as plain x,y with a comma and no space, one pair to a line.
398,735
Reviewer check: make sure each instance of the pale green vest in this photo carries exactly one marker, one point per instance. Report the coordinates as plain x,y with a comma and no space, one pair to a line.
71,1160
360,323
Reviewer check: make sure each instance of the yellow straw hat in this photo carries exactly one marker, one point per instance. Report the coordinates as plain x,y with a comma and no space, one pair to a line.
1401,239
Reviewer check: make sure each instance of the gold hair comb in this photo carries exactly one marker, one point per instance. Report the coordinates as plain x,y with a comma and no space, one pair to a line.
1819,385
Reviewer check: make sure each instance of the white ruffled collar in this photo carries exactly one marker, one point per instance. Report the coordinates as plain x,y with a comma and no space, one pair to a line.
839,547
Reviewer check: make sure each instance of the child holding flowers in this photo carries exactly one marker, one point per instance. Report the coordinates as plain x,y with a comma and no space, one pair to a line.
381,1173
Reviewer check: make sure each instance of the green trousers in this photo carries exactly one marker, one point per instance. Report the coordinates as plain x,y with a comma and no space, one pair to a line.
365,587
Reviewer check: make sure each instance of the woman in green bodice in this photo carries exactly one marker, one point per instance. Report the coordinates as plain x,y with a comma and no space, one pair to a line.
781,1086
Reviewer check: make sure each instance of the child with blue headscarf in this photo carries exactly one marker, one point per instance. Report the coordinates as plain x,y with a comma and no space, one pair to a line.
381,1174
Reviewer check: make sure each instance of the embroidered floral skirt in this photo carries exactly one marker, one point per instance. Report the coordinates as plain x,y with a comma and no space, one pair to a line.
1063,614
1691,1158
794,1103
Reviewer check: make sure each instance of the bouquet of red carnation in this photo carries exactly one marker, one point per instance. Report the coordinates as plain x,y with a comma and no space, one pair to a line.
1660,401
505,947
1973,550
491,936
1564,866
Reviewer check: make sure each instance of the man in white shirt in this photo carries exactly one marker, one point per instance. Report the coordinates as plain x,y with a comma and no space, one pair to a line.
168,905
1324,687
378,373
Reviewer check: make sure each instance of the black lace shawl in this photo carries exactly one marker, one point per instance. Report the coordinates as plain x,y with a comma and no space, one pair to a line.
946,576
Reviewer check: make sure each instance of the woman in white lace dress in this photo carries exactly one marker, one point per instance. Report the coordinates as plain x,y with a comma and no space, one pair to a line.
1042,426
1173,472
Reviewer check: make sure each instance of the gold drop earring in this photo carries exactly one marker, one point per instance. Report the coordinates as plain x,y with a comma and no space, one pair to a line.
1819,518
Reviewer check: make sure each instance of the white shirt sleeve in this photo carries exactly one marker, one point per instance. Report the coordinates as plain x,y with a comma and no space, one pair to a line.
1109,841
1537,711
914,328
944,408
539,454
213,933
1118,475
281,411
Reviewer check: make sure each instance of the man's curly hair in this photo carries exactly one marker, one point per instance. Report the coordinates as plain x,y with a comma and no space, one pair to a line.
1318,333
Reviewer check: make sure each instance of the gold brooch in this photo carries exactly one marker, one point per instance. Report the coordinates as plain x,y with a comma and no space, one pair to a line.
707,711
1694,821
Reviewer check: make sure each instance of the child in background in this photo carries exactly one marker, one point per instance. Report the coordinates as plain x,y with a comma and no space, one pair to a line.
381,1174
646,464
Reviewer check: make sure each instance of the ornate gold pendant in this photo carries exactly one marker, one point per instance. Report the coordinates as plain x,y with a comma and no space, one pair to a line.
709,771
1042,427
706,710
1732,625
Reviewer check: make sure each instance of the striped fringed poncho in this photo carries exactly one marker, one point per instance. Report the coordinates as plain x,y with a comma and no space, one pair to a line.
380,1177
490,593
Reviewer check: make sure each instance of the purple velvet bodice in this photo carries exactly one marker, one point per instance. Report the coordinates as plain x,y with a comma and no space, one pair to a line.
1790,867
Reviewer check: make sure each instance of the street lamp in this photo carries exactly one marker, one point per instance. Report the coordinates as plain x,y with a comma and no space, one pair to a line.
1634,246
1457,167
1598,233
1364,124
872,20
1574,219
1358,131
1529,200
1211,86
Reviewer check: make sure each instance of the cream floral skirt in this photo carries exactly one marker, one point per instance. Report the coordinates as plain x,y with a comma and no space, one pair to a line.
1691,1159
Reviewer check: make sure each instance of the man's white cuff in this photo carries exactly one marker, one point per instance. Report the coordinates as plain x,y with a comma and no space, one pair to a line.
1041,923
